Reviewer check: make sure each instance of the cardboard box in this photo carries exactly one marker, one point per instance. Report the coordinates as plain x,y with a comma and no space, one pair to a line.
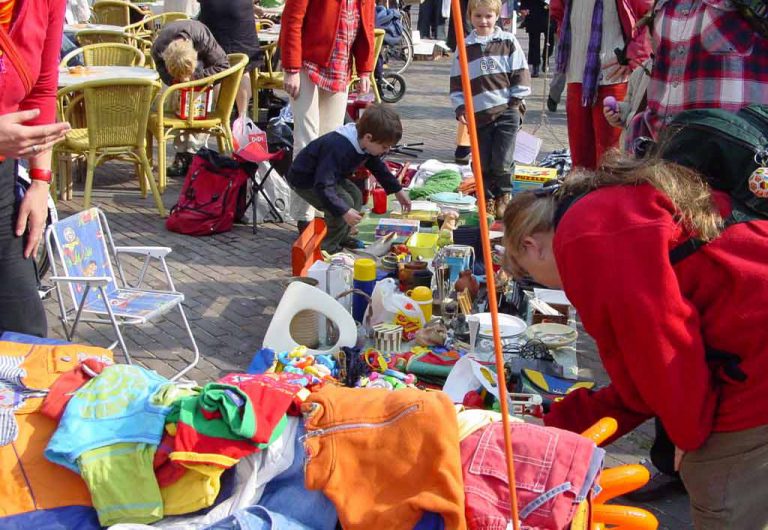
201,103
404,228
531,177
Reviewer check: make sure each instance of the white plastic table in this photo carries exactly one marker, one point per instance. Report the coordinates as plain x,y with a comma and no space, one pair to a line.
270,35
94,73
108,28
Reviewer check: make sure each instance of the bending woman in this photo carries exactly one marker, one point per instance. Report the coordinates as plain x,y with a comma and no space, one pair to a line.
657,324
28,80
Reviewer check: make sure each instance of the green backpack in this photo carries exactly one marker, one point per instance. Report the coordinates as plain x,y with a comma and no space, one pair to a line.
730,149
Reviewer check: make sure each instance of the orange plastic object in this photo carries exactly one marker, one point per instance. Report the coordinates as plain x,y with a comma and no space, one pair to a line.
602,430
623,517
306,249
620,480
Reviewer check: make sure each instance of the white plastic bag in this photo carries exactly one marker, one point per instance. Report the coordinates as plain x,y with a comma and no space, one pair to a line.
245,131
390,306
279,194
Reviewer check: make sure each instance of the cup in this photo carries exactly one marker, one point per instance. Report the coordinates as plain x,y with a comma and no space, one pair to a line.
422,295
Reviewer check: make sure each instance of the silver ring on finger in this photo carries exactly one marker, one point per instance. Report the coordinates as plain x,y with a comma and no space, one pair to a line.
35,148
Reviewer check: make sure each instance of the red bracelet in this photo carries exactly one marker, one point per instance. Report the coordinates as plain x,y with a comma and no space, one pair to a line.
43,175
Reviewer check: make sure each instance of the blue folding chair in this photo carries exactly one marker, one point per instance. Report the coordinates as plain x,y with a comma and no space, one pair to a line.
84,253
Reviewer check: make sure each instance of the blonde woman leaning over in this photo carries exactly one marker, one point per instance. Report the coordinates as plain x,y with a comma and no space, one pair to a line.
656,324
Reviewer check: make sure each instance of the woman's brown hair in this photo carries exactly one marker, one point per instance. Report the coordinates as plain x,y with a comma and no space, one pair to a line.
528,213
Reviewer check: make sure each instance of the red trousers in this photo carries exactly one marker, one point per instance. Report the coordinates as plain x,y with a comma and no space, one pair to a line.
589,135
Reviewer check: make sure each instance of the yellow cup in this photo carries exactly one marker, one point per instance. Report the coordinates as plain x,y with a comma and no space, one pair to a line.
422,295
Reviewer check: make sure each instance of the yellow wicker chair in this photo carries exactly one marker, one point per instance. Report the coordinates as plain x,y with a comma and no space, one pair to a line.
115,12
265,79
116,113
264,23
107,54
149,27
164,125
87,37
378,35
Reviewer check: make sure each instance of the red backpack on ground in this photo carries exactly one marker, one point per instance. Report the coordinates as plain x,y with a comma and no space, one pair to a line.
208,199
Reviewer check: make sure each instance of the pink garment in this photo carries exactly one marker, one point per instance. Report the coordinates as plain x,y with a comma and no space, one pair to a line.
554,471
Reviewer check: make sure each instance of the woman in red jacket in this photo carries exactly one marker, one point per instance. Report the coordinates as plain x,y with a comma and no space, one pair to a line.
30,39
663,330
319,39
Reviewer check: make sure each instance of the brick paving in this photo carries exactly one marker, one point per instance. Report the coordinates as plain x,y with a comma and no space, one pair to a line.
233,281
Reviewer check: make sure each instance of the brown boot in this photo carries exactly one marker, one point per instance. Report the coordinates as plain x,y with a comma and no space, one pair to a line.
501,204
490,206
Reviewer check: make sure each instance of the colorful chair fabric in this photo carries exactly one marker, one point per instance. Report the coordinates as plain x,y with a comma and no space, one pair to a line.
82,255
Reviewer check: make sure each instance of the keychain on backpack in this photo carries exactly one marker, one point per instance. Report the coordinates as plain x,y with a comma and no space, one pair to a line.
758,180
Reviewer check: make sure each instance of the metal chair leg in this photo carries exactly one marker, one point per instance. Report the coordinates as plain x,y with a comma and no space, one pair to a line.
194,346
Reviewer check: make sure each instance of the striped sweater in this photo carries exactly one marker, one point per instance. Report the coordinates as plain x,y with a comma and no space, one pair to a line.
498,72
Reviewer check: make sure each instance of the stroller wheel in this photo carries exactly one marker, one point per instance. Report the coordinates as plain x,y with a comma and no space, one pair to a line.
391,87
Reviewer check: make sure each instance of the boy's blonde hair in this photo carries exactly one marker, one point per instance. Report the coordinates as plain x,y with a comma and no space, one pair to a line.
494,5
180,58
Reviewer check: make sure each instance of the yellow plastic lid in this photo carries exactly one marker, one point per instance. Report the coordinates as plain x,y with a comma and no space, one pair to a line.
365,269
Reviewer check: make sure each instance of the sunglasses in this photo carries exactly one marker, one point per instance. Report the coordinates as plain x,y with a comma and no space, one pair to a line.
547,190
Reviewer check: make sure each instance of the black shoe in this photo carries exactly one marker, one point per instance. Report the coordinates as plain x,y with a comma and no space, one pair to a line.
461,155
352,243
535,70
301,225
180,165
551,104
660,486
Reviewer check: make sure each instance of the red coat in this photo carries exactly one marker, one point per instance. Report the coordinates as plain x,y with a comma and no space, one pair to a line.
308,30
36,32
630,11
651,319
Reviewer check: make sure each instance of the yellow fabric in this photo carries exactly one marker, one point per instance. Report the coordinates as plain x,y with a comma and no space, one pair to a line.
224,461
28,481
196,489
471,420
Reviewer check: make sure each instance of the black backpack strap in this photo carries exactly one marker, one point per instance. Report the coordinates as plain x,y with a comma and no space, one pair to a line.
685,249
563,204
726,365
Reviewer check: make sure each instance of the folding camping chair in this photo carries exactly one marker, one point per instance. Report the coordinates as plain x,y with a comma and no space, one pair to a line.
85,252
253,156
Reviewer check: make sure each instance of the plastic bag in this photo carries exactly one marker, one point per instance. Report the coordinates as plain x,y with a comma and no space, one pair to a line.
245,131
390,306
279,193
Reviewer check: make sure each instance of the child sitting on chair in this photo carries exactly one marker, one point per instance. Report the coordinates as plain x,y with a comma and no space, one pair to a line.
185,50
320,173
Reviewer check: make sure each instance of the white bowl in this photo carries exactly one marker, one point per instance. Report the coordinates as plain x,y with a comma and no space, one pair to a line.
553,335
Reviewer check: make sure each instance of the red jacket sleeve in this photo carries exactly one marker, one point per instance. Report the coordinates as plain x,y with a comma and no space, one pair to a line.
43,94
623,286
557,12
290,33
364,46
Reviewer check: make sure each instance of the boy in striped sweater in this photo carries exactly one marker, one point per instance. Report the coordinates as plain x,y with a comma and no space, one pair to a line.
500,80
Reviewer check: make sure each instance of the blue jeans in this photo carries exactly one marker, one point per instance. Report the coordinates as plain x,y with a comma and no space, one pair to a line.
497,151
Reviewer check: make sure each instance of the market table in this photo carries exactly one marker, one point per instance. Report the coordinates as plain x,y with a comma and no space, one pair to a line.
73,76
270,35
107,28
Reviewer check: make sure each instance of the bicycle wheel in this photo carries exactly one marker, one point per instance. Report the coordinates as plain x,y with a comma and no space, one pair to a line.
391,87
400,56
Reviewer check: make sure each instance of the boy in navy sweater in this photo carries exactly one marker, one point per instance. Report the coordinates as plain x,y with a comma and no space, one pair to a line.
320,172
498,72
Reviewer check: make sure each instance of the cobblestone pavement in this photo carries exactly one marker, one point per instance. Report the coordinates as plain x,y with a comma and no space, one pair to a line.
233,281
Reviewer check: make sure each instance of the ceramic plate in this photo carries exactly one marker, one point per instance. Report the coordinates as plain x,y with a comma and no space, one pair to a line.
509,326
553,335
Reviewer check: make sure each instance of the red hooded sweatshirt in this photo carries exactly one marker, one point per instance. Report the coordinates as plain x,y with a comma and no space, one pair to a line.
651,320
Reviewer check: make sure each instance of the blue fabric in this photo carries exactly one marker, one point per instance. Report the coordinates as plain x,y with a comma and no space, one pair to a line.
113,407
65,518
261,362
23,338
257,518
286,494
430,521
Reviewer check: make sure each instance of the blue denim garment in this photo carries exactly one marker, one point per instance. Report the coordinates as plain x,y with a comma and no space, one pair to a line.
257,518
286,494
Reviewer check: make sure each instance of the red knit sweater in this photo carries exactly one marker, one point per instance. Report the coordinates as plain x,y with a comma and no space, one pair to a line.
650,320
36,32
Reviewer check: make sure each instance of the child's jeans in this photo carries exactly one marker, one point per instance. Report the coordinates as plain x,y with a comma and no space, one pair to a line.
497,151
338,229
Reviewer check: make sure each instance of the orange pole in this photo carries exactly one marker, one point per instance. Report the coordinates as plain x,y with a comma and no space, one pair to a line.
458,26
